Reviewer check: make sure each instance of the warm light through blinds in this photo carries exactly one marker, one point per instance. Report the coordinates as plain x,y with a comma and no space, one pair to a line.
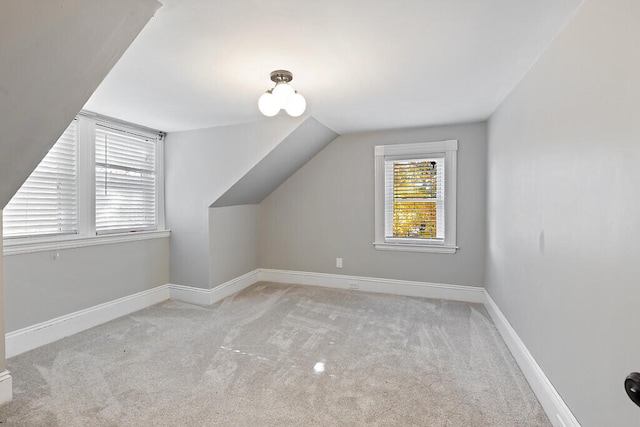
414,198
46,204
125,181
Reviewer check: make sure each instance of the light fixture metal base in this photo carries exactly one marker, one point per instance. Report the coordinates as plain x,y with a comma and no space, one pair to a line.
281,76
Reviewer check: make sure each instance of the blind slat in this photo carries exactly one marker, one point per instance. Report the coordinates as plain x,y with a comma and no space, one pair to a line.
46,204
414,198
125,182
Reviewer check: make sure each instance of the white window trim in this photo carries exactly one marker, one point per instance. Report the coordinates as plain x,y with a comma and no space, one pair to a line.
450,150
86,198
160,215
28,245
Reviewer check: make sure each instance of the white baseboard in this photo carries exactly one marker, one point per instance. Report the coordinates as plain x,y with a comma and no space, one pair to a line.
555,408
201,296
6,388
31,337
235,285
35,336
189,294
22,340
371,284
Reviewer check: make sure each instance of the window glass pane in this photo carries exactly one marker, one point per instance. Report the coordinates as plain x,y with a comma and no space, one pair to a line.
414,219
415,198
46,204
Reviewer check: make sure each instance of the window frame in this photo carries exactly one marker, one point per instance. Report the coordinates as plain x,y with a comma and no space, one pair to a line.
449,150
86,235
133,134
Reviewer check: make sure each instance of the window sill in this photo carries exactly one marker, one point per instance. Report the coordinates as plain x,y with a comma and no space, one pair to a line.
27,246
437,249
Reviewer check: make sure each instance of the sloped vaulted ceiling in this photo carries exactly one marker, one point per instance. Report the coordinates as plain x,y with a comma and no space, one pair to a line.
283,161
361,64
54,54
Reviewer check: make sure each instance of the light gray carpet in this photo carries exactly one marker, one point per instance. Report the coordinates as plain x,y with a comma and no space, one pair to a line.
279,355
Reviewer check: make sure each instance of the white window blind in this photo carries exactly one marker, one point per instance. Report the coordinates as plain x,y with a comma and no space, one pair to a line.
414,198
125,181
47,204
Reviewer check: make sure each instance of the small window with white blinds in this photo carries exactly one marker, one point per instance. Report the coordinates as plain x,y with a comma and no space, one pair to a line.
415,197
125,174
47,202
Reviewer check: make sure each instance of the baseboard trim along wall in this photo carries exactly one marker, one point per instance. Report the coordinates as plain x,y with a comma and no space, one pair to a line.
201,296
6,387
31,337
26,339
558,412
34,336
367,284
371,284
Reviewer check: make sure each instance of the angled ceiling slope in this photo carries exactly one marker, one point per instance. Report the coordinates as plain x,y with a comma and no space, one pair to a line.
284,160
361,65
42,86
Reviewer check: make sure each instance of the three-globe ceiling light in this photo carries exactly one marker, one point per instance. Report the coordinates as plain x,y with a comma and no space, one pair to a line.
282,96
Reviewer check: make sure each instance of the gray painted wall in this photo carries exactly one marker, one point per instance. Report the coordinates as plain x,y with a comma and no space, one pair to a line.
233,232
3,362
563,211
41,286
326,210
233,244
199,167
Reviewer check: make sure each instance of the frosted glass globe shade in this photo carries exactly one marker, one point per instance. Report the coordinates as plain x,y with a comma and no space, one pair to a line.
268,104
296,105
283,92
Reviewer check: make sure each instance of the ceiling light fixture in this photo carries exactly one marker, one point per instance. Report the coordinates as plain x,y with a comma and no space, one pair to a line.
282,96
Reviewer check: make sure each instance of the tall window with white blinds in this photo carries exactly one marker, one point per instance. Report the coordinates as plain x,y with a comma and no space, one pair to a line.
47,202
125,181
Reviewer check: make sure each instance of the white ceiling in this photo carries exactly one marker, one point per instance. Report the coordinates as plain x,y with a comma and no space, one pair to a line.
361,64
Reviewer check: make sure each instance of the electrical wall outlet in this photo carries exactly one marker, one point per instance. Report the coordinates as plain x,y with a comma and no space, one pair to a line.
339,262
